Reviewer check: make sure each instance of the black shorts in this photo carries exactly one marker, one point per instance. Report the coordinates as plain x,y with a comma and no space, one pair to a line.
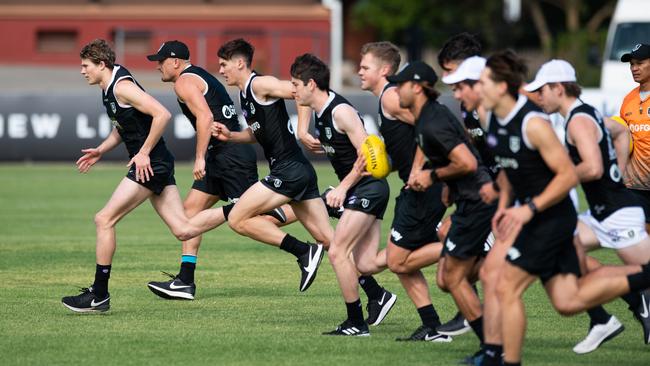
163,173
545,245
294,179
471,225
416,216
228,174
369,196
643,197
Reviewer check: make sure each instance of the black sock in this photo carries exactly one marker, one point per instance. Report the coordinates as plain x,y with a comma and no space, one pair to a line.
371,287
492,354
186,273
226,210
477,327
633,300
511,363
102,274
294,246
639,281
598,315
429,316
355,314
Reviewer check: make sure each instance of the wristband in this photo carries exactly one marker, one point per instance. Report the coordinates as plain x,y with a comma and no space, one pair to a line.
532,207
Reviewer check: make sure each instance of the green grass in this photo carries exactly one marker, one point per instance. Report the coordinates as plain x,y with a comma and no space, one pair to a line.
248,308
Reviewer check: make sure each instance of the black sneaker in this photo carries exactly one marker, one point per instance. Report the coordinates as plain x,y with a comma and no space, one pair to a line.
278,214
173,289
427,334
456,326
87,302
642,314
378,309
308,264
474,360
348,329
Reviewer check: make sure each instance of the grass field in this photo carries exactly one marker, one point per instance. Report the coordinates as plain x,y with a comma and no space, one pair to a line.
248,308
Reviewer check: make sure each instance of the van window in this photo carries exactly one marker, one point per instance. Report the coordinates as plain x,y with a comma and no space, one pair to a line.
626,37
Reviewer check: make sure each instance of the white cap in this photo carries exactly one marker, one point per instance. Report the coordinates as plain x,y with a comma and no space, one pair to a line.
554,71
470,69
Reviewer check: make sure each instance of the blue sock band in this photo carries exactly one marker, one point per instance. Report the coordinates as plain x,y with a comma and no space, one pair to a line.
188,258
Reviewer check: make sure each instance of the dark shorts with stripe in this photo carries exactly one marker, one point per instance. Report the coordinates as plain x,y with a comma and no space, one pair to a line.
643,198
369,196
416,216
163,173
471,224
229,173
545,247
295,179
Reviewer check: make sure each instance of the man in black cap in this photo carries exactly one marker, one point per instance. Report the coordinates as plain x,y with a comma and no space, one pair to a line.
222,171
635,111
456,162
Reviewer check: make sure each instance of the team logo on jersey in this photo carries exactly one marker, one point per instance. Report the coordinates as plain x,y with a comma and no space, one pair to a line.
365,202
228,111
492,140
252,108
328,132
515,144
113,107
277,183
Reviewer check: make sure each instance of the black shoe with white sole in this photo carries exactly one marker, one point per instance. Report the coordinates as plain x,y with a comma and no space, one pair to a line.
348,329
87,302
308,264
174,289
379,308
426,334
456,326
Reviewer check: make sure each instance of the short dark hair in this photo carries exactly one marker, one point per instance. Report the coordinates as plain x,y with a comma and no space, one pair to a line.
237,47
458,48
506,66
98,51
429,91
571,89
307,67
385,51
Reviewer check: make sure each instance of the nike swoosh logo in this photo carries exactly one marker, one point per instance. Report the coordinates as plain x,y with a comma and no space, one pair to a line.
430,338
175,287
644,304
313,263
93,303
383,297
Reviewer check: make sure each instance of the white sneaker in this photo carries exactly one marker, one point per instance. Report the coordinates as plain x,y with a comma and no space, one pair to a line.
599,334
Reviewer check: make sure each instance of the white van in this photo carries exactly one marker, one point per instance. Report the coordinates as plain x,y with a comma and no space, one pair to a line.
630,25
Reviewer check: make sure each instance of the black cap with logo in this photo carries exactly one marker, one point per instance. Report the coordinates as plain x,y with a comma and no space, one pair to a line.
171,49
640,52
415,71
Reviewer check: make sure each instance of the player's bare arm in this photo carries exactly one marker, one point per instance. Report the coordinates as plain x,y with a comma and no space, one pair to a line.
221,132
128,92
584,134
92,155
390,105
621,140
190,90
269,87
309,141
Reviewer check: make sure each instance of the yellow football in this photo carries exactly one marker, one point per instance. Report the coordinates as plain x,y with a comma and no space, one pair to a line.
622,121
377,162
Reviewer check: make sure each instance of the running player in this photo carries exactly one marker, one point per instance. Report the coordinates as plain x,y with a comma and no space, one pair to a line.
413,243
139,121
635,111
292,178
538,173
221,170
340,130
614,215
456,162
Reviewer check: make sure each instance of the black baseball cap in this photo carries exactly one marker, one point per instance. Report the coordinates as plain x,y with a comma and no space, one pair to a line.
169,49
415,71
640,52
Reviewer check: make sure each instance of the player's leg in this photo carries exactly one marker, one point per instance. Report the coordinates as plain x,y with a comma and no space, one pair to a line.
512,283
457,271
127,196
